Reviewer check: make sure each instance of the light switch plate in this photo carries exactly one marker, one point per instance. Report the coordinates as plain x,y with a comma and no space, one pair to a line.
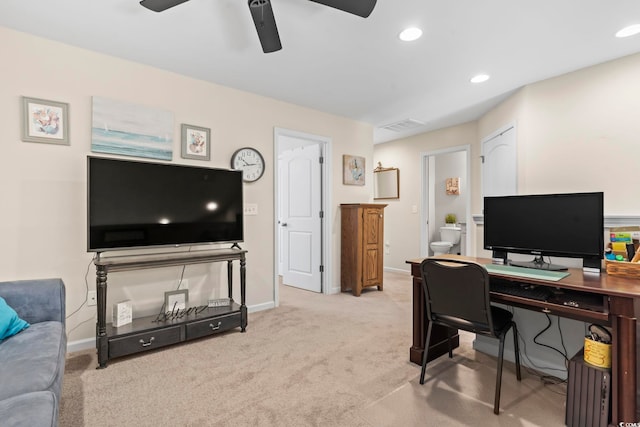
250,209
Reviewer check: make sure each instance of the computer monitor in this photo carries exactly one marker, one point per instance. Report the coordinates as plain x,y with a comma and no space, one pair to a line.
569,225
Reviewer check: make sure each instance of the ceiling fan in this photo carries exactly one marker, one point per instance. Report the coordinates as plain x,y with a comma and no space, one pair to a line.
263,18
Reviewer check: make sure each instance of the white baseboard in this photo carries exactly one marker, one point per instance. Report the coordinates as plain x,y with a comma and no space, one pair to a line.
261,307
335,290
81,345
397,270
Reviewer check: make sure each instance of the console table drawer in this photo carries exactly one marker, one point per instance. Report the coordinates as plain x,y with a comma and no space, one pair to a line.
136,343
211,326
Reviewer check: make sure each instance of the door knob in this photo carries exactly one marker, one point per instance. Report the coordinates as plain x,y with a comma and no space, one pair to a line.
284,224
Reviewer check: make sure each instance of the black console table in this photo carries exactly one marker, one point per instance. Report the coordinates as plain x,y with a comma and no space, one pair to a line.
147,333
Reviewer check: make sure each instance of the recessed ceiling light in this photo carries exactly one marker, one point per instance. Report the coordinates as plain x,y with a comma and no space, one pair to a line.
631,30
410,34
480,78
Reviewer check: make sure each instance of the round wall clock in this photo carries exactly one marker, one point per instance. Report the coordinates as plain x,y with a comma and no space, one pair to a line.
250,162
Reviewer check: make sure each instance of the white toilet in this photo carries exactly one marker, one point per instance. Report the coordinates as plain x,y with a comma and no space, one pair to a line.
450,236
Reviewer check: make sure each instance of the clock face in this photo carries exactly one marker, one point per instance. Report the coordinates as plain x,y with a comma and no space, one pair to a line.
250,162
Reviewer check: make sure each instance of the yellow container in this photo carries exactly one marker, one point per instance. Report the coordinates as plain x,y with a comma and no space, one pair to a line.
597,353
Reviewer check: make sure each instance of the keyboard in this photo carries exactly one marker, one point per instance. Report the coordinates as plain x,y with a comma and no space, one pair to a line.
540,293
530,273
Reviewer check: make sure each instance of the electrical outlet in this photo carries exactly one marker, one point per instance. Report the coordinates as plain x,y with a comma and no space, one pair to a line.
250,209
92,298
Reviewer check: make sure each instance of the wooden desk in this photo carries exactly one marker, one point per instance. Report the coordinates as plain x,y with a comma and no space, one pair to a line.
617,295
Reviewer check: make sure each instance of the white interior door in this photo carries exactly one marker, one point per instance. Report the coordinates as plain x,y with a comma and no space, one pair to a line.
300,217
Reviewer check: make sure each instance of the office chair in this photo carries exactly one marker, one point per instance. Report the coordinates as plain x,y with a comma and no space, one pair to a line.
457,296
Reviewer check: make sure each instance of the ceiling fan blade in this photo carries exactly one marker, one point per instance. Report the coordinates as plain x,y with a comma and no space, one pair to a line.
265,22
160,5
357,7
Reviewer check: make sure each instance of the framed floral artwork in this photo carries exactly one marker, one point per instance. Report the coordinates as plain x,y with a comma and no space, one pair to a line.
196,142
45,121
353,170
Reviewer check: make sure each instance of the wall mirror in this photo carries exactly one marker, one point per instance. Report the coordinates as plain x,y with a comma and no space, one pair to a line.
386,183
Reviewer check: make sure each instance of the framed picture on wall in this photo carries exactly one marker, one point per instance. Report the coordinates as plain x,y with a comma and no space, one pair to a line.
196,142
128,129
45,121
453,186
353,170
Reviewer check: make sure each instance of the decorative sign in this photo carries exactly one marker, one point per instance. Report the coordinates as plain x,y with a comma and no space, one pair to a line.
122,313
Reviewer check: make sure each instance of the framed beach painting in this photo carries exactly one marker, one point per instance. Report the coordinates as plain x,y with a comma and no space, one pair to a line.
353,170
196,142
45,121
127,129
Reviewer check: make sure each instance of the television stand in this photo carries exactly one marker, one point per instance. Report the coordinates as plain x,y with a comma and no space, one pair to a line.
147,333
539,263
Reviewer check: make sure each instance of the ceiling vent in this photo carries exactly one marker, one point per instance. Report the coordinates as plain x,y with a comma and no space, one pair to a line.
403,125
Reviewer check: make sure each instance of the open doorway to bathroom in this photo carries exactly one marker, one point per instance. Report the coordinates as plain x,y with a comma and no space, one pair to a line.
445,190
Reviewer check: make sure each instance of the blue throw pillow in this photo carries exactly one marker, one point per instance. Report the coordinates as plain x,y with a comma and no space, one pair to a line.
10,323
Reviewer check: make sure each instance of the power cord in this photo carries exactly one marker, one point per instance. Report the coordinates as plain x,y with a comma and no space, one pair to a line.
86,299
86,285
184,266
523,353
564,355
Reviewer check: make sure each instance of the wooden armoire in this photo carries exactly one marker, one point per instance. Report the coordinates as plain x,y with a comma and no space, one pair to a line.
362,246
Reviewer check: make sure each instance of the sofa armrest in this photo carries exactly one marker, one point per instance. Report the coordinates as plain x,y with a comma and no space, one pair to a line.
37,300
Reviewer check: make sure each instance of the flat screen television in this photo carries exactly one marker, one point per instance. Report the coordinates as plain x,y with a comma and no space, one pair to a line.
134,204
567,225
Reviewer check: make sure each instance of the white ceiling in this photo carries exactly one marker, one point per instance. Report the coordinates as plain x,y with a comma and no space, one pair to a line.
346,65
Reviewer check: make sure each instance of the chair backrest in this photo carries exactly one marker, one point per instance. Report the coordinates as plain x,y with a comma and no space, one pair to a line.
457,294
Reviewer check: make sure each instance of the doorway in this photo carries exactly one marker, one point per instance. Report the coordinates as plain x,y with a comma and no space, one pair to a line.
436,167
301,191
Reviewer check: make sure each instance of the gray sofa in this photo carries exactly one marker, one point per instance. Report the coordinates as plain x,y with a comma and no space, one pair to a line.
32,361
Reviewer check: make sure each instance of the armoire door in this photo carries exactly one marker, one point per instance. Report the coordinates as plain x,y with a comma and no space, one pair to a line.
372,245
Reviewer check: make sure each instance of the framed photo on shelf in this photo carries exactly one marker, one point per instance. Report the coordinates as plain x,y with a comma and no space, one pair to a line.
176,300
45,121
196,142
353,170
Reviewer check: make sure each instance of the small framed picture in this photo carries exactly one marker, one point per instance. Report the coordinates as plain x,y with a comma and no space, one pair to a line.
453,186
45,121
353,170
196,142
176,300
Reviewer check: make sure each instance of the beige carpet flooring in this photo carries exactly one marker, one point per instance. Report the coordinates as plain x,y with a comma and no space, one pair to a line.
316,360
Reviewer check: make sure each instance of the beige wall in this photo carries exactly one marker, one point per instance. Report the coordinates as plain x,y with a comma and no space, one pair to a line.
576,132
402,226
43,186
